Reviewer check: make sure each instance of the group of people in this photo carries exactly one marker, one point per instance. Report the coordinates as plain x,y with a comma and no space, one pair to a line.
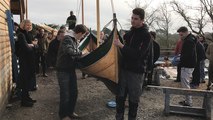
33,49
135,51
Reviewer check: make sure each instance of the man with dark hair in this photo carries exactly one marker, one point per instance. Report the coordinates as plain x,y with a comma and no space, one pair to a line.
154,54
53,49
134,51
71,20
188,60
65,66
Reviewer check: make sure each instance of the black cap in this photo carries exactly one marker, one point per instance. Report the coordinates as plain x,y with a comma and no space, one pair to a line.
182,29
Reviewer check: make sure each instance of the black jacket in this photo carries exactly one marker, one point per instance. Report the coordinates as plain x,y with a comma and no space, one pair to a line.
136,44
26,57
188,58
67,53
53,52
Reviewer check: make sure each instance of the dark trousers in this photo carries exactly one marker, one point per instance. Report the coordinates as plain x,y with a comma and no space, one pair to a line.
149,78
37,62
196,75
129,83
178,72
25,78
33,81
210,73
43,63
68,92
120,108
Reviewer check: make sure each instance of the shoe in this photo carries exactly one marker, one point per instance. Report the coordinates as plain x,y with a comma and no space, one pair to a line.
33,89
176,80
26,104
45,75
193,86
66,118
74,116
203,81
183,103
31,100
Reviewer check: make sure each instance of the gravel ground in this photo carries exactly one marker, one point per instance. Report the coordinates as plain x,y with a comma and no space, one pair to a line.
91,104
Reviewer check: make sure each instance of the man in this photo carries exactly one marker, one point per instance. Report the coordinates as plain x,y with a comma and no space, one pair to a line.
53,49
134,50
202,40
66,74
25,52
71,20
177,52
196,75
209,55
154,53
188,60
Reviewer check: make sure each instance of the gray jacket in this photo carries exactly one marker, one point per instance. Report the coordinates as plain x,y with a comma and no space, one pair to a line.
67,53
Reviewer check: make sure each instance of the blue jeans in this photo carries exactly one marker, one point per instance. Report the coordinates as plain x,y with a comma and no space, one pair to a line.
68,92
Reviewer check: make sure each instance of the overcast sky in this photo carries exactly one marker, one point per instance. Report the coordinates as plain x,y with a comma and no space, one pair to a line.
57,11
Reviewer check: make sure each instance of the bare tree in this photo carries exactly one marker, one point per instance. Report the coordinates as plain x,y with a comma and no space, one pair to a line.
208,7
150,16
194,23
164,22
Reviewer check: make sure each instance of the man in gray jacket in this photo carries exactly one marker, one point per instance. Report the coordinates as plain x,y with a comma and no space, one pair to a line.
66,74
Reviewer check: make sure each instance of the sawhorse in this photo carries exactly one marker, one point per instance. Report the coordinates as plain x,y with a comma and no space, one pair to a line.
205,111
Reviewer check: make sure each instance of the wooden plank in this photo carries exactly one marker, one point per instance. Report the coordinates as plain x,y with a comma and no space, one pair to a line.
2,20
3,14
167,103
3,28
3,33
5,5
7,2
4,38
6,29
195,111
4,57
183,91
208,101
4,46
3,42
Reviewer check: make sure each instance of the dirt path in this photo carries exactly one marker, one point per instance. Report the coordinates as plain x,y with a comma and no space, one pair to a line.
91,104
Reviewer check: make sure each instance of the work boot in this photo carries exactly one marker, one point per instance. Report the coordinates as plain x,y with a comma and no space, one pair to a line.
74,116
25,103
119,116
29,99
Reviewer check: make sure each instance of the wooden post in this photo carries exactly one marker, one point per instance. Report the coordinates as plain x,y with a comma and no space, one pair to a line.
26,9
82,11
98,21
167,102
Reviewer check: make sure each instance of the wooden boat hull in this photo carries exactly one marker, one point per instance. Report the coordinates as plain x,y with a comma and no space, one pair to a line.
88,44
103,61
